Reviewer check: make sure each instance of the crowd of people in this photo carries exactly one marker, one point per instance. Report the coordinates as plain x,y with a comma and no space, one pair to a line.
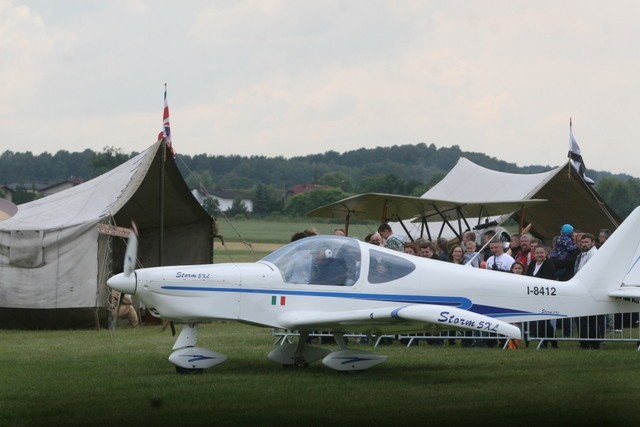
525,255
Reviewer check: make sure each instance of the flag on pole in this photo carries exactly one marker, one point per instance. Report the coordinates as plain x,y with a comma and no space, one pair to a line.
166,126
576,157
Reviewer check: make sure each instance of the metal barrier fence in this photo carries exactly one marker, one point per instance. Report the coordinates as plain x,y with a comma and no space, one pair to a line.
589,331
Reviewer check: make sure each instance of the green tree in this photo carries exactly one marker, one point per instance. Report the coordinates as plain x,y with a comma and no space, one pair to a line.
24,195
261,200
201,179
237,208
109,158
384,183
212,206
622,196
338,180
300,204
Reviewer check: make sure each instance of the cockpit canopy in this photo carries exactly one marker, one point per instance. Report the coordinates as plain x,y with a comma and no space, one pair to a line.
333,260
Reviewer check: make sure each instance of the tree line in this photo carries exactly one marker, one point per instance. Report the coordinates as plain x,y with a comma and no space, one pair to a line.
400,169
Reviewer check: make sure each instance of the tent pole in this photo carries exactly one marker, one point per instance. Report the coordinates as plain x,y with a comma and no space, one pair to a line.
161,228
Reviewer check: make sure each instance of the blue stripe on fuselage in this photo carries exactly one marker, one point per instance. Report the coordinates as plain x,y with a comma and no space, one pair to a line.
459,302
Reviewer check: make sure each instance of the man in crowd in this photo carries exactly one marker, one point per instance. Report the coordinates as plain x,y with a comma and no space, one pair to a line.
589,326
498,259
391,241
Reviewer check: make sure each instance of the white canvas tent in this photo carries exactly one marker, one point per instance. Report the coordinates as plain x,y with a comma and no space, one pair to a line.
569,198
54,262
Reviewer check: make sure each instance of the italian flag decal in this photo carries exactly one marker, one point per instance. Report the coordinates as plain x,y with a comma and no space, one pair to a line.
278,301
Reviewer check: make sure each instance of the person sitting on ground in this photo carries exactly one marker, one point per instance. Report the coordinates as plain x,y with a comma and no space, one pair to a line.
124,304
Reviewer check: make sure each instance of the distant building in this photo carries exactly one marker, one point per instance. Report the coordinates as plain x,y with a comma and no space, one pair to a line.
301,188
224,197
38,189
59,186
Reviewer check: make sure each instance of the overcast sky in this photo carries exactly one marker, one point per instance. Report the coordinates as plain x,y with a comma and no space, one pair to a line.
276,77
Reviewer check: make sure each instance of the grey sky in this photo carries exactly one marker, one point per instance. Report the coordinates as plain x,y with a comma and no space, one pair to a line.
297,77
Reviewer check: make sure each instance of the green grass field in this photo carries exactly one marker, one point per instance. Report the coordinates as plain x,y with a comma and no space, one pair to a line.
86,378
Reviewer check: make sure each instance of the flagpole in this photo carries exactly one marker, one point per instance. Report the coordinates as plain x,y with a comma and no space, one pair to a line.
161,230
569,168
163,146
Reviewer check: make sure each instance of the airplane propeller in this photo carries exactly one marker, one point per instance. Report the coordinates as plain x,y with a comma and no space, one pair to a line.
124,284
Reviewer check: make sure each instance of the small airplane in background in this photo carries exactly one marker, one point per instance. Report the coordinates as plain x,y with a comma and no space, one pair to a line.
340,284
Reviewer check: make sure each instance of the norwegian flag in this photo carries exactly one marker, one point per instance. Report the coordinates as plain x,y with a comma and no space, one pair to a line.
166,126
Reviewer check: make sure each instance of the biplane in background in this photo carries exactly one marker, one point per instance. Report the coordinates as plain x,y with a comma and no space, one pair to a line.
457,217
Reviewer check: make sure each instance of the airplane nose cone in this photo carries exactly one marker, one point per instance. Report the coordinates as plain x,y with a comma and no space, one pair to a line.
122,283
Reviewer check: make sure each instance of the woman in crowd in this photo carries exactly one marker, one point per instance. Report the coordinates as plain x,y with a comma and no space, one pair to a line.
456,254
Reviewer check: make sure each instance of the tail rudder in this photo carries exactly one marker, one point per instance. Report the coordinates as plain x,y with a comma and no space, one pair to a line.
615,259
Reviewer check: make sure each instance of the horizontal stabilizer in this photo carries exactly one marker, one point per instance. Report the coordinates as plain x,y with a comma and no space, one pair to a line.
626,292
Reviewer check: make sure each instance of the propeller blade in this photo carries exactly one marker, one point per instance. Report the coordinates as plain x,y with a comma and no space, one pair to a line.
131,255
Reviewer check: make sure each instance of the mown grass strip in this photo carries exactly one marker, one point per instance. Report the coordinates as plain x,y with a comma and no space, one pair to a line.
85,377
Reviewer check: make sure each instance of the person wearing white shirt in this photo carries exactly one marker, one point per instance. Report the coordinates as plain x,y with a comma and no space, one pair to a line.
498,259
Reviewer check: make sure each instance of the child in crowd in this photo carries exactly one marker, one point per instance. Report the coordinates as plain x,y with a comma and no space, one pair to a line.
471,255
563,244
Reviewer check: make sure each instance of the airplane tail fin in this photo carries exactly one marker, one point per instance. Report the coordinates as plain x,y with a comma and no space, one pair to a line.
616,263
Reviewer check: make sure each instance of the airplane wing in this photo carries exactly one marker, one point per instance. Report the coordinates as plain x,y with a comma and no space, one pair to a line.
380,206
441,316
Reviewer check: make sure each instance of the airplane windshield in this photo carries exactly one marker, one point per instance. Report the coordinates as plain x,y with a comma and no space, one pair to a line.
319,260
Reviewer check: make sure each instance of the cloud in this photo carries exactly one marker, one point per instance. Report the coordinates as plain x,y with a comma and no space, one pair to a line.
278,77
25,47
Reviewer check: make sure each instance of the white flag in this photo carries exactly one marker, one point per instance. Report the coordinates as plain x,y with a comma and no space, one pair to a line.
576,158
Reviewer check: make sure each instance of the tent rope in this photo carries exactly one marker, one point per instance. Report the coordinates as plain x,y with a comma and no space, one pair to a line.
208,195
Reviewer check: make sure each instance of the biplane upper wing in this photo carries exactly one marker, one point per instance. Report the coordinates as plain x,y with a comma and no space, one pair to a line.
392,207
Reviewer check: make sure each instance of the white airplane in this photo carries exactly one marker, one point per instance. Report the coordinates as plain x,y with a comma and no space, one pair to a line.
340,284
